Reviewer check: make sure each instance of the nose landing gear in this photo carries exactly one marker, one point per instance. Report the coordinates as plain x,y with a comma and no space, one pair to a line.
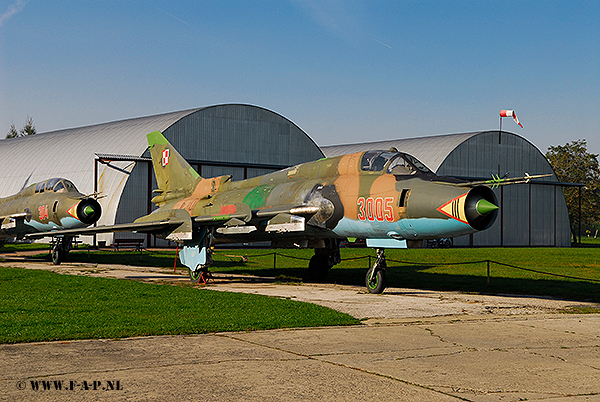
375,278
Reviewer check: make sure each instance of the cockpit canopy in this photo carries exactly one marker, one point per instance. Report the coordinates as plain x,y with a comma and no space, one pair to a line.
56,185
396,163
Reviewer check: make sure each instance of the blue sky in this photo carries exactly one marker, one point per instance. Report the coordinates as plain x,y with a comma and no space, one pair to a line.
344,71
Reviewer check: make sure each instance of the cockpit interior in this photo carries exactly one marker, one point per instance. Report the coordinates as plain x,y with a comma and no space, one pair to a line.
396,163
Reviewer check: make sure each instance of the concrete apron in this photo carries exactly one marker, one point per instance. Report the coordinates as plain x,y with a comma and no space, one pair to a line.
478,348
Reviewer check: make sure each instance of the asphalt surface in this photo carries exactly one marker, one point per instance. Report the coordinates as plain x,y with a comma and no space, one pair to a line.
413,346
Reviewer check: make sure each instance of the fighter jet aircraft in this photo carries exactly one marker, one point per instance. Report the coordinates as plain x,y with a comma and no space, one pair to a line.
50,205
389,198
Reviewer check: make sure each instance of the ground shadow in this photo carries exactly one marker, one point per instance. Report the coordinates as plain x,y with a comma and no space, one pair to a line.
416,277
397,275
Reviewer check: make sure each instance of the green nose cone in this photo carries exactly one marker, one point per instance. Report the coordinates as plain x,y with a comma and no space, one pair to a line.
485,207
89,210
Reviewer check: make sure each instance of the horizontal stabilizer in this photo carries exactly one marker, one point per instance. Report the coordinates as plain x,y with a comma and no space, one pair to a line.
14,216
178,218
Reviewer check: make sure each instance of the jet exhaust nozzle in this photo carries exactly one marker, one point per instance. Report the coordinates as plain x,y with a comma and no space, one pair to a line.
89,211
481,207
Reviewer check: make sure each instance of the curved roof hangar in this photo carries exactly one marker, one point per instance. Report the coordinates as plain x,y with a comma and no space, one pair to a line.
530,215
248,138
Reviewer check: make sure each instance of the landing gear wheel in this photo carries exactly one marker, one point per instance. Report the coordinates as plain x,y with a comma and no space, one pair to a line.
318,268
375,281
58,255
61,248
324,258
200,275
197,274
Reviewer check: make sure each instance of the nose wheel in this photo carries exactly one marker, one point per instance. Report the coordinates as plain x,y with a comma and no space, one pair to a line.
375,278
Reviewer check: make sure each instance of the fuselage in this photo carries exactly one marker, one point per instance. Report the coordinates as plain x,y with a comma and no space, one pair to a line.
372,195
53,204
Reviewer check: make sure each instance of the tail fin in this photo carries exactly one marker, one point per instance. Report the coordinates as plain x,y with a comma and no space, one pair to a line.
173,173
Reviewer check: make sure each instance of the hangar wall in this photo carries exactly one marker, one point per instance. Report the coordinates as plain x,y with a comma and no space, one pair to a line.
533,214
242,140
245,141
530,214
71,153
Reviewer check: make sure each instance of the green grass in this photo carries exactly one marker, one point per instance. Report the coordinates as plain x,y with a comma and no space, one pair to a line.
426,268
432,269
435,272
11,247
590,241
38,305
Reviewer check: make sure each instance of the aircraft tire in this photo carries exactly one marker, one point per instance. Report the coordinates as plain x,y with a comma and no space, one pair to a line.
318,268
195,275
58,255
377,284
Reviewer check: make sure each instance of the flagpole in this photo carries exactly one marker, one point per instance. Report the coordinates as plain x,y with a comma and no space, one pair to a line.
500,132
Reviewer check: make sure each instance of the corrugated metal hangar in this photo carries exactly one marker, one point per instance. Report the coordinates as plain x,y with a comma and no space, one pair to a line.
533,214
113,159
247,141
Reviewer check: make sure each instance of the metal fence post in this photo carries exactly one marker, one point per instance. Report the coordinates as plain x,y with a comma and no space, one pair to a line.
488,272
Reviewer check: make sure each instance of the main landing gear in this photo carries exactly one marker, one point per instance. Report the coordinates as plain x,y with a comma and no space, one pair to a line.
62,246
328,256
375,279
324,258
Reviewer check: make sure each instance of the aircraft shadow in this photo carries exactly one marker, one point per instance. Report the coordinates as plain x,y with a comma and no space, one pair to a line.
416,277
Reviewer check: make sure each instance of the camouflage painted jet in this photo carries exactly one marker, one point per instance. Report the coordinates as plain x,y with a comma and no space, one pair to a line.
50,205
388,198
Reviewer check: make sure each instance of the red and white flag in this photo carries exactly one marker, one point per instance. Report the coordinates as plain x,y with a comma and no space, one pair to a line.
511,113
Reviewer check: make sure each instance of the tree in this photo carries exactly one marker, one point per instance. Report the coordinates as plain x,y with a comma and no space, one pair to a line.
12,132
28,129
572,163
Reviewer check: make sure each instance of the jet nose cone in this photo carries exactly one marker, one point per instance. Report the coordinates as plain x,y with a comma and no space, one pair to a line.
485,207
89,210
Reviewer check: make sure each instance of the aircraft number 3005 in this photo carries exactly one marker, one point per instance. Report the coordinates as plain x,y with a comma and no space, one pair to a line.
375,209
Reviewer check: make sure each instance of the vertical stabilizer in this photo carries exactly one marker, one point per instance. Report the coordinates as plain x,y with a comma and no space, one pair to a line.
173,173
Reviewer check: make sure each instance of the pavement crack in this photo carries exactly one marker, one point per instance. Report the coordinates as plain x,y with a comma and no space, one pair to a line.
565,360
346,366
431,355
441,339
